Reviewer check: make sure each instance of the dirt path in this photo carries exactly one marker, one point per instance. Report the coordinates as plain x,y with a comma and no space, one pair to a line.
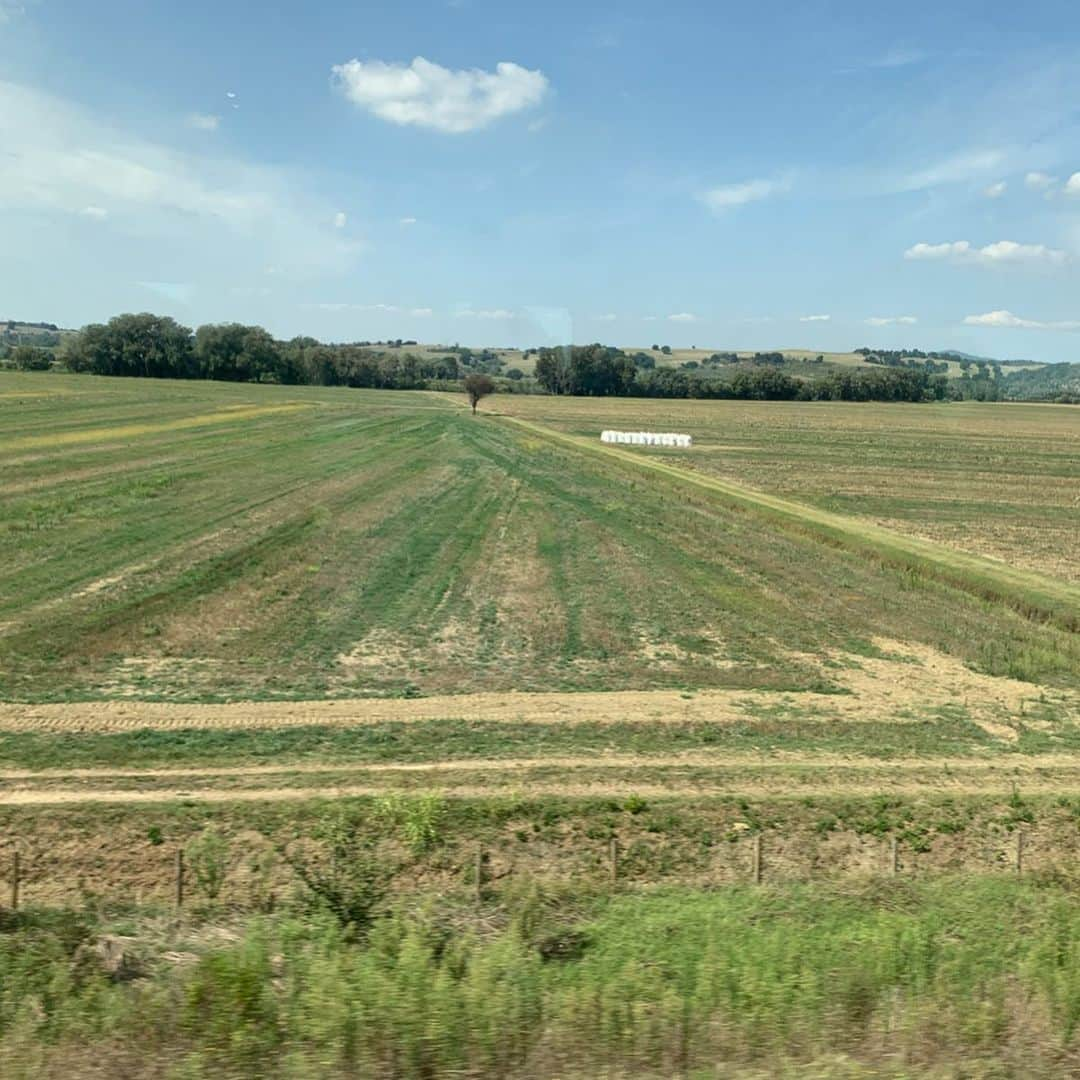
907,682
781,761
889,782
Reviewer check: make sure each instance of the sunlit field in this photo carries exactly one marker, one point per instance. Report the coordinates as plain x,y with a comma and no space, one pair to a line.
487,750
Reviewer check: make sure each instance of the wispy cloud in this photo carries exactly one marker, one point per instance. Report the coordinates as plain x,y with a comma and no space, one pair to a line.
1001,253
9,9
341,219
608,317
1039,181
61,158
407,221
995,191
814,318
891,320
203,121
959,168
728,196
428,95
683,317
489,314
1072,185
382,309
898,57
1007,319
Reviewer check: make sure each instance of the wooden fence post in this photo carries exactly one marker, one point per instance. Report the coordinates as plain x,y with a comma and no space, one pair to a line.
479,873
613,858
179,878
15,874
1019,851
756,866
894,855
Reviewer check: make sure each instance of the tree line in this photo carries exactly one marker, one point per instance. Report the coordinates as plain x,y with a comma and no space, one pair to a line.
154,346
600,371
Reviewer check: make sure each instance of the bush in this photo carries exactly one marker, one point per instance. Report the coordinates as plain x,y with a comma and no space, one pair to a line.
27,358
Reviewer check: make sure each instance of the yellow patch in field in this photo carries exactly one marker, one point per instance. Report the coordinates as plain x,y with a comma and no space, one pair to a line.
12,394
126,431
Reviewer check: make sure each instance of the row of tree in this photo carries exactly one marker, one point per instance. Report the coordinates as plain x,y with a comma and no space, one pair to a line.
599,371
156,346
159,347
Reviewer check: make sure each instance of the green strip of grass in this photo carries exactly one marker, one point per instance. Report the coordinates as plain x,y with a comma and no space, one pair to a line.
457,739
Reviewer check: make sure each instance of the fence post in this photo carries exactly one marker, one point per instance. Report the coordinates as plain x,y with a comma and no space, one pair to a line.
756,865
15,874
613,858
894,855
479,873
1019,851
179,878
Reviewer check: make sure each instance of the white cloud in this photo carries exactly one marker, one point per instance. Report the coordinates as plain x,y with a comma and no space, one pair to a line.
728,196
1008,251
340,219
421,312
61,158
428,95
203,121
488,314
407,221
608,317
1039,181
98,213
955,249
1000,253
995,191
9,9
649,318
683,317
538,124
890,320
1008,319
1072,185
814,318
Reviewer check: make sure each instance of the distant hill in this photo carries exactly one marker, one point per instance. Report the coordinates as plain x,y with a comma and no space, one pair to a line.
43,334
1052,382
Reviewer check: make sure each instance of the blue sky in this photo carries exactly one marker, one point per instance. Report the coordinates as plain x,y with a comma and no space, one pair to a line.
761,175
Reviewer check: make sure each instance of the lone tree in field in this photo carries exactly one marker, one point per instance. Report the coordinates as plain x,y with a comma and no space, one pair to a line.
478,386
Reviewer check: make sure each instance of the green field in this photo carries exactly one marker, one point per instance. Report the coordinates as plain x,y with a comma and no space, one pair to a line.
197,541
394,680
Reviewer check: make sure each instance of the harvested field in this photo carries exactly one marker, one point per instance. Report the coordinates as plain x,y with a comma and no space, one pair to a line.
1002,481
337,544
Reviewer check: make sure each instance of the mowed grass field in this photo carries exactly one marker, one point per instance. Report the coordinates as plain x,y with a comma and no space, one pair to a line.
999,481
211,542
485,752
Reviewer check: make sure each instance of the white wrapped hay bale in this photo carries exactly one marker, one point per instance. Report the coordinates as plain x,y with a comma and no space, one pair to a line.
647,438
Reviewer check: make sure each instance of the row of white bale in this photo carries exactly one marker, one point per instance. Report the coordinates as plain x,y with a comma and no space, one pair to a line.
646,438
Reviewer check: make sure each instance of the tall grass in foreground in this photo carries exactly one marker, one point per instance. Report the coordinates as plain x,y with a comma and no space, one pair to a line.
950,978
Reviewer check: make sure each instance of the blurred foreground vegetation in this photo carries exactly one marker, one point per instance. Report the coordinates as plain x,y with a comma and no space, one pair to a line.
972,977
